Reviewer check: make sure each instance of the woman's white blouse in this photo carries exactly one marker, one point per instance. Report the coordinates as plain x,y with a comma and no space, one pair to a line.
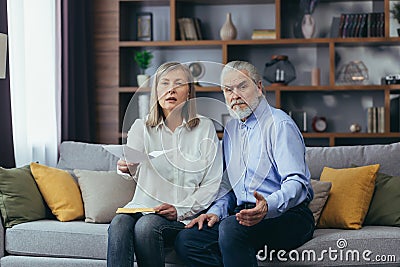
187,177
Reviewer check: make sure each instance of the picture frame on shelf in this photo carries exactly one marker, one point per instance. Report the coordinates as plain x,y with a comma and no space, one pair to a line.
144,29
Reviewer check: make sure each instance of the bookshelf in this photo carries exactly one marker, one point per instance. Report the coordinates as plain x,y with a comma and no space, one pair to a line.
341,104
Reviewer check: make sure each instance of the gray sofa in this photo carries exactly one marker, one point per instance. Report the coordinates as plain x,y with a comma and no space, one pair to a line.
52,243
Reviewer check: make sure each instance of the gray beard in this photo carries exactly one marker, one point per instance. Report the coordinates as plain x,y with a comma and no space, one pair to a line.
240,113
245,112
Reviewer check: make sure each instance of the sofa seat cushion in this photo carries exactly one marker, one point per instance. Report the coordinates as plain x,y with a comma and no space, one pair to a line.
380,240
75,239
12,261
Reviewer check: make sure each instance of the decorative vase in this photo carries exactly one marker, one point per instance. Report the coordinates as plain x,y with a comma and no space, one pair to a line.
228,30
143,80
308,26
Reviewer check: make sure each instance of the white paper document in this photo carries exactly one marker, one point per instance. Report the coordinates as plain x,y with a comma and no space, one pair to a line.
132,155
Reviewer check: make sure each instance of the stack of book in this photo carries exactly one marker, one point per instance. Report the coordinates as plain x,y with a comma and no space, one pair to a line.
361,25
376,120
190,29
259,34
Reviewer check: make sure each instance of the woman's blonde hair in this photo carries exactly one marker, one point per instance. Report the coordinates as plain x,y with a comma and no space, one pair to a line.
189,110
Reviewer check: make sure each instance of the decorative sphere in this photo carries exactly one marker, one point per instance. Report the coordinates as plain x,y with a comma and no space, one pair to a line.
355,128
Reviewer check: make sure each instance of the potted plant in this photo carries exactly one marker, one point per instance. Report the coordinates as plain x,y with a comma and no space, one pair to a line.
396,14
143,59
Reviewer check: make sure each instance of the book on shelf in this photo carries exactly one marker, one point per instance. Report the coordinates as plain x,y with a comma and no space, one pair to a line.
190,29
376,120
361,25
381,119
259,34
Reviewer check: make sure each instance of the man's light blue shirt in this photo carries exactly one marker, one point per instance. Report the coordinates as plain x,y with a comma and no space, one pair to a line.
265,153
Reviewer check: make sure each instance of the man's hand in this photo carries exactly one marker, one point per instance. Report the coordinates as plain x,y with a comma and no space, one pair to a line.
168,211
210,218
125,167
250,217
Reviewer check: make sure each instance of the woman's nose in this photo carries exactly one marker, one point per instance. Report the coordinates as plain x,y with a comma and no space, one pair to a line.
171,89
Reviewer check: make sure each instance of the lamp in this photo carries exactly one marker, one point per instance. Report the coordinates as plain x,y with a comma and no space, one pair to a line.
279,71
3,55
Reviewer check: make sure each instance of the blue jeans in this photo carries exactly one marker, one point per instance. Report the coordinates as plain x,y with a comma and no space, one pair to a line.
142,235
230,244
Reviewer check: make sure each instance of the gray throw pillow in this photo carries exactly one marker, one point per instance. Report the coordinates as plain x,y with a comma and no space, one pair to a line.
321,194
103,192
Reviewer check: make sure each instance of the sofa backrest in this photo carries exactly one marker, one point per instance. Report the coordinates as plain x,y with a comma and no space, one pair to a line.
85,156
388,156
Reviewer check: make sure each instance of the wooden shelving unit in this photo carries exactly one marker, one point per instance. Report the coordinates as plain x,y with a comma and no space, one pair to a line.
119,43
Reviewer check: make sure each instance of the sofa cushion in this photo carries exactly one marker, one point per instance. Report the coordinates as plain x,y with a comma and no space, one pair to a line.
379,240
60,191
20,199
74,239
342,157
12,261
85,156
321,192
349,198
385,203
103,192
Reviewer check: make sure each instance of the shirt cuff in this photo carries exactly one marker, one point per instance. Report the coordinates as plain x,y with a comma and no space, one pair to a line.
219,211
272,203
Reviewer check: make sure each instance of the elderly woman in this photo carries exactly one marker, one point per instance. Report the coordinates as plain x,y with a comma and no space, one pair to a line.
178,184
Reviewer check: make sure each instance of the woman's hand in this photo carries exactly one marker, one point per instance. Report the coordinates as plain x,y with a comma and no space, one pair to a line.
168,211
125,167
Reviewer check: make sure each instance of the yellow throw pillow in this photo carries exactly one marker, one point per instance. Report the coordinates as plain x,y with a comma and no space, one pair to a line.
60,191
349,198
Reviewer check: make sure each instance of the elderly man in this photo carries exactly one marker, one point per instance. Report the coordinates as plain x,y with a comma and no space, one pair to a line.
267,206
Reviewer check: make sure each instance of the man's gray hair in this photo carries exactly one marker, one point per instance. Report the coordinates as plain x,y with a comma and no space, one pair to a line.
242,65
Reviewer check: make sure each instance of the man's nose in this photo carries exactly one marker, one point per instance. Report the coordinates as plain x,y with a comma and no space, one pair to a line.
235,95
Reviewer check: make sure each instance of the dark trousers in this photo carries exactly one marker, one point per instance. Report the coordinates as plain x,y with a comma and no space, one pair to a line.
230,244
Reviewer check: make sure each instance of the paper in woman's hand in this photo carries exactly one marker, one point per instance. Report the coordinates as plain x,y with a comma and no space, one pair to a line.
127,153
132,155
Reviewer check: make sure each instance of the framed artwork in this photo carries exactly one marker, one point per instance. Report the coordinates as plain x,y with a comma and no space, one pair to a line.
144,30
